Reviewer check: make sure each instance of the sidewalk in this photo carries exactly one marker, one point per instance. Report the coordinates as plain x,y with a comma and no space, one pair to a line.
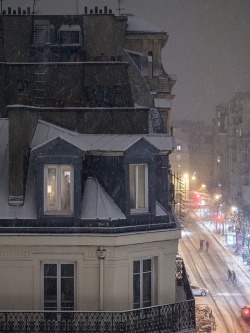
237,258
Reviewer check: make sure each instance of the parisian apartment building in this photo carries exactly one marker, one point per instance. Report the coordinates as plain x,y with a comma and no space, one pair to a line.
88,230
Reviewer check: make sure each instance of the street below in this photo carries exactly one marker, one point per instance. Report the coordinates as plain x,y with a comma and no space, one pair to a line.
209,269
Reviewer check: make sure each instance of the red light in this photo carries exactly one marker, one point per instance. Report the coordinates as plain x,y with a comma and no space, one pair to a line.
246,312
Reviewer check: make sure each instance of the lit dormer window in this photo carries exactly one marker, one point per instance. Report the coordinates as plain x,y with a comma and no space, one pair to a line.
178,147
58,194
138,181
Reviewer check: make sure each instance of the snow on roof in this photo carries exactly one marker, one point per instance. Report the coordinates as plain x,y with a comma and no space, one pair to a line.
135,24
97,204
97,142
162,103
159,210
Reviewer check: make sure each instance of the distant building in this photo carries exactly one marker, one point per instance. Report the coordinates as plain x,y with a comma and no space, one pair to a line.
86,217
231,143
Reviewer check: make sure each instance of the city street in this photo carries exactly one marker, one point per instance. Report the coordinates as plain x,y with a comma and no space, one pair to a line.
210,270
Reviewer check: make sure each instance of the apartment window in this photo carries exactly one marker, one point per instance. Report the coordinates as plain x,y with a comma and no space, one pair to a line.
58,286
178,147
142,283
138,181
178,157
58,189
69,35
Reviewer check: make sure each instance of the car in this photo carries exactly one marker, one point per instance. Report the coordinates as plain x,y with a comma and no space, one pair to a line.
245,312
198,291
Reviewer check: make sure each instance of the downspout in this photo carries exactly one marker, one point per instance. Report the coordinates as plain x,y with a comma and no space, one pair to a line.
101,253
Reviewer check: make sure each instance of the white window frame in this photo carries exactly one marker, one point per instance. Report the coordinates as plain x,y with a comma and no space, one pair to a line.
60,170
58,264
137,209
153,280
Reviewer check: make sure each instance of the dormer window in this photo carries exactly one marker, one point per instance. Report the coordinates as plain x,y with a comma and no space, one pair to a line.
138,183
58,189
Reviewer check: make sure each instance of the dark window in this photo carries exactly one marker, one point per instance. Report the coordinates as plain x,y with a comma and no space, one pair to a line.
59,286
142,283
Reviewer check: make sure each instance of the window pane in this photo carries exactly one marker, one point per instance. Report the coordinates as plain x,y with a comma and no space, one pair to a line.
67,293
136,266
50,293
51,188
141,186
147,265
136,290
67,270
147,289
50,270
132,186
66,189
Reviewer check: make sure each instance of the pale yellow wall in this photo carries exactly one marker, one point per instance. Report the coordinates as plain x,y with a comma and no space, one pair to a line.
16,284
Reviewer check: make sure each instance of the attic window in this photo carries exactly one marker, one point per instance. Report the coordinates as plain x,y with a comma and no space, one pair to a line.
58,189
138,181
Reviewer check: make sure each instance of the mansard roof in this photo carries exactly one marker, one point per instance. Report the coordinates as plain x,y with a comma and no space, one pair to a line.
96,202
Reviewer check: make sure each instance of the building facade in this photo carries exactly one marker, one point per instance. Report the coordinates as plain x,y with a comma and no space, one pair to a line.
230,150
86,214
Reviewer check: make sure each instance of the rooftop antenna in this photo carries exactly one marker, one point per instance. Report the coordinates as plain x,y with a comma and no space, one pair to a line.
120,2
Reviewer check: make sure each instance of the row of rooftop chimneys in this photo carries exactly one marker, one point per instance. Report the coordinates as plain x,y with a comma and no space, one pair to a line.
27,11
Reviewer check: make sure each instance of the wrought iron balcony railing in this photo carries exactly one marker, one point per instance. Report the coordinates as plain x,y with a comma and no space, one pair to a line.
178,317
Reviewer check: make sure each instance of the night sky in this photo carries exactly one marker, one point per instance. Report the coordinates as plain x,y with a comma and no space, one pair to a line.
208,47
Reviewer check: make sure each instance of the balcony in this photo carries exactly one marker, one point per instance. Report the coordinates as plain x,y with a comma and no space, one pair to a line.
178,317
